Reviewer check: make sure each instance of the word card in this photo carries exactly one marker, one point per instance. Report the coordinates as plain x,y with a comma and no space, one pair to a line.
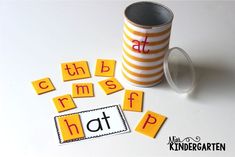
43,85
105,67
150,124
110,85
75,70
133,100
91,124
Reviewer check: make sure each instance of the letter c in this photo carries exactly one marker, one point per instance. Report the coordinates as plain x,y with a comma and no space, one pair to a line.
43,87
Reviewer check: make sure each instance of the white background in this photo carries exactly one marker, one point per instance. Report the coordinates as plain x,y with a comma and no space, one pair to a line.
36,36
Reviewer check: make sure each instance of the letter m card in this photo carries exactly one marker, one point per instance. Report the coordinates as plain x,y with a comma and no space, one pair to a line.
94,123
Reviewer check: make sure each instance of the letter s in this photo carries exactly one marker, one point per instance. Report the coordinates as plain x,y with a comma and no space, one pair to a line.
110,84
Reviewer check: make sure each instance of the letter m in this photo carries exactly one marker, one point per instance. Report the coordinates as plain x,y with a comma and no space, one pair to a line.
82,88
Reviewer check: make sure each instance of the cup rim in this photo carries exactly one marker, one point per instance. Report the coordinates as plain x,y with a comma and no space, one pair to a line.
148,26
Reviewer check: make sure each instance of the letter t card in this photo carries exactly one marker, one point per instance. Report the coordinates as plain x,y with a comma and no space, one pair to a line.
91,124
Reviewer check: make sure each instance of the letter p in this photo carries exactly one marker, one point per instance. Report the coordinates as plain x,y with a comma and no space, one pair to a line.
150,124
150,120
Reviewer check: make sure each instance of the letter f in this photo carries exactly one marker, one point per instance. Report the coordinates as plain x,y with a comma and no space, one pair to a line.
131,98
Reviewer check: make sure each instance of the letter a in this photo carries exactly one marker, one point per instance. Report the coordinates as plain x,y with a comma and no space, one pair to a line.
98,128
136,45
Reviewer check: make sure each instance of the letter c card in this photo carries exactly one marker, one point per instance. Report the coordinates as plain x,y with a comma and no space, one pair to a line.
43,85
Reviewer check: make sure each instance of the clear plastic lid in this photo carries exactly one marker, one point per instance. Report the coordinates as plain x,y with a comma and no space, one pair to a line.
179,70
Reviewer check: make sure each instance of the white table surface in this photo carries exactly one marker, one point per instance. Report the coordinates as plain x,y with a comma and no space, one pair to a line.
36,36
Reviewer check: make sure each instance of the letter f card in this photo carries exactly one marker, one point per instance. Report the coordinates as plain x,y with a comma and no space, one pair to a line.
94,123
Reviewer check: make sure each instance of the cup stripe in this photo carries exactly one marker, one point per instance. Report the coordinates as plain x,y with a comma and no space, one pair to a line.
142,83
150,39
148,79
147,34
145,29
141,59
141,75
141,67
150,52
144,86
142,55
153,43
143,64
142,71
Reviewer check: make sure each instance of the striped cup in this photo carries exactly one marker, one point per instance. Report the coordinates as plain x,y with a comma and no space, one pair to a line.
146,35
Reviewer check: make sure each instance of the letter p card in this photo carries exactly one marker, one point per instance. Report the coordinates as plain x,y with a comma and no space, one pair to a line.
91,124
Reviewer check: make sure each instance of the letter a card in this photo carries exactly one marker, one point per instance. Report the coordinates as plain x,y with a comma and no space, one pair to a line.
94,123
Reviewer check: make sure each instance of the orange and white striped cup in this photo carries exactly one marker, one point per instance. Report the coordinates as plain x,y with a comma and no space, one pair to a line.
147,28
